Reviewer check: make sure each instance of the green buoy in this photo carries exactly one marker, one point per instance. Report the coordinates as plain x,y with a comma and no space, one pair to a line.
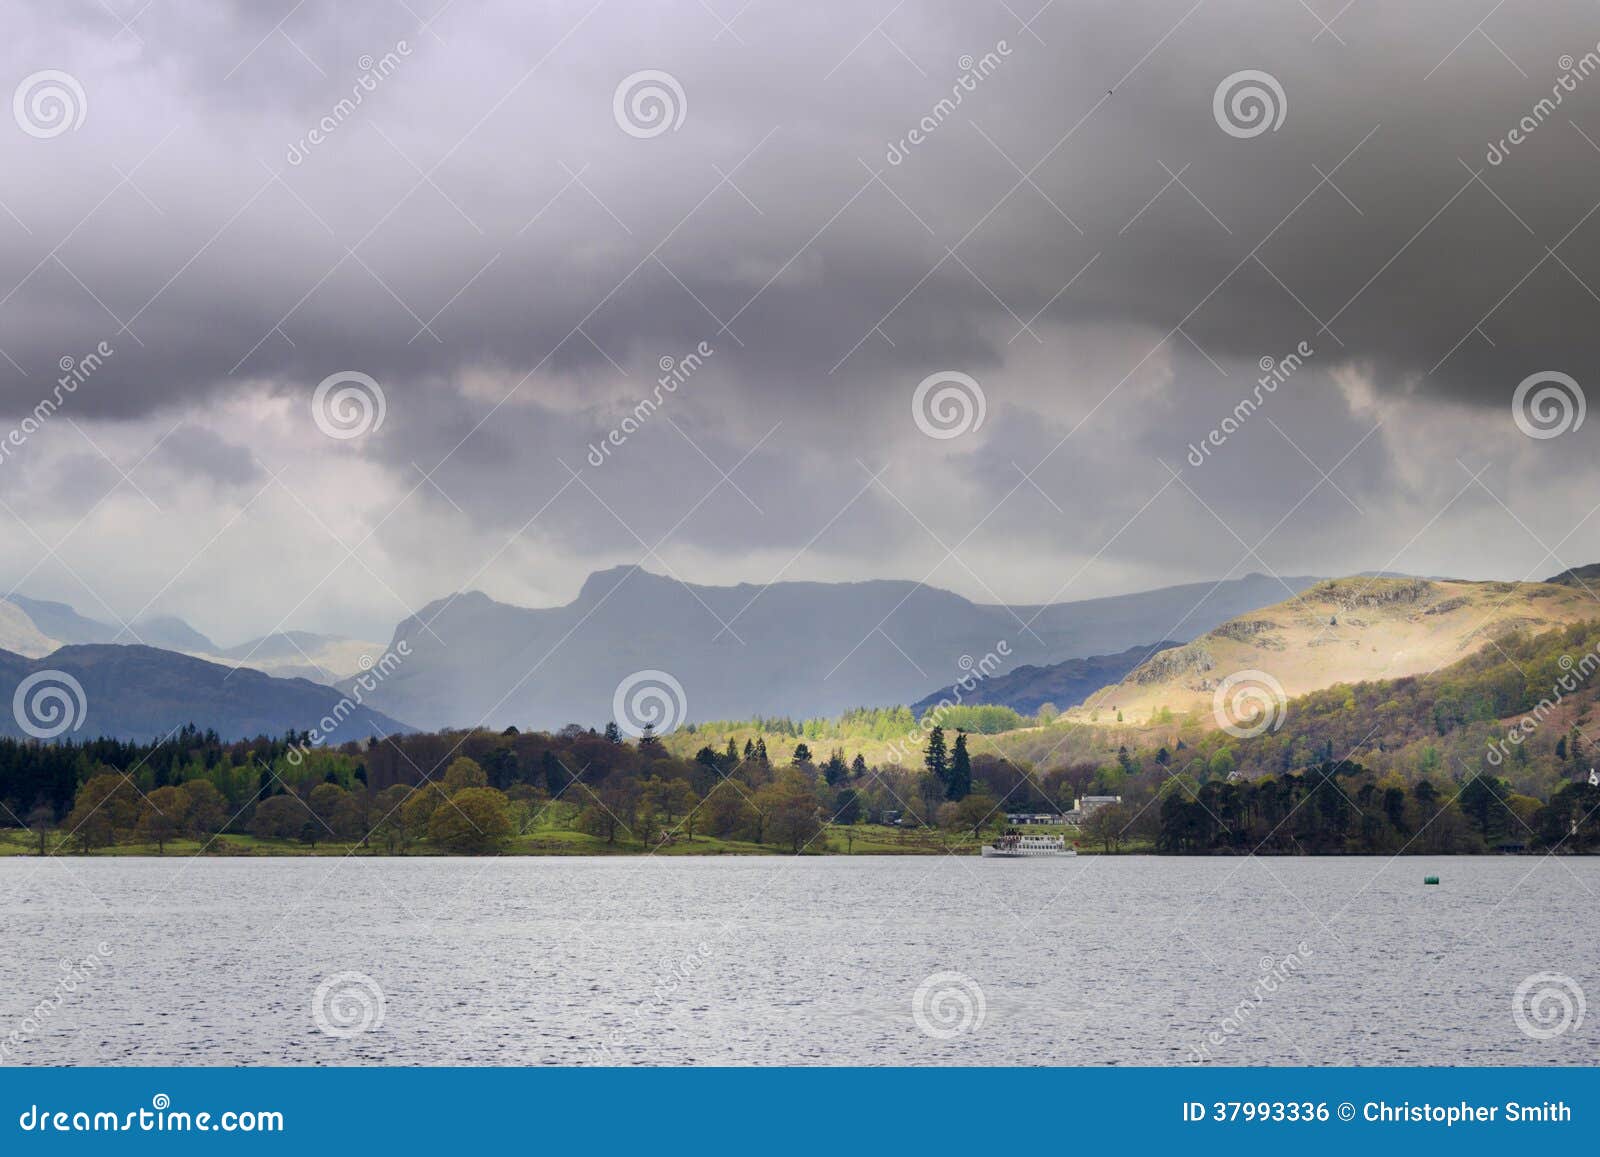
1430,879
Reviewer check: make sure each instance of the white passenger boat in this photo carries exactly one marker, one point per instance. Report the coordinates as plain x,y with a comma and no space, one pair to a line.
1013,845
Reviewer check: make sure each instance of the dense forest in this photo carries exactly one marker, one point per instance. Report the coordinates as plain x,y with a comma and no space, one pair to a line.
1343,808
478,791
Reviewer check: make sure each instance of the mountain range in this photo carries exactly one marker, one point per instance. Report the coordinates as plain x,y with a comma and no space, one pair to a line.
36,627
802,649
796,648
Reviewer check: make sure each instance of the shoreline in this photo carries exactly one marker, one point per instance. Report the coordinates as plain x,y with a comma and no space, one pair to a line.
714,850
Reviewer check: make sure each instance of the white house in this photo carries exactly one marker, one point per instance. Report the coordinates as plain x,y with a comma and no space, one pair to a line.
1090,804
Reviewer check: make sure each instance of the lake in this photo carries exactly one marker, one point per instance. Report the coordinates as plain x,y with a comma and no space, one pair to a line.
840,960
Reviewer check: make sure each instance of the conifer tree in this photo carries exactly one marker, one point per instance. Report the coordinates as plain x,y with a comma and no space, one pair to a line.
958,784
935,758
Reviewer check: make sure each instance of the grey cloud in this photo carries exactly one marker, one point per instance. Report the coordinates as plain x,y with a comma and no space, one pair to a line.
546,246
206,455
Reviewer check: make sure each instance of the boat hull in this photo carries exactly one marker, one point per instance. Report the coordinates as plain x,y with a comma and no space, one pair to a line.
993,853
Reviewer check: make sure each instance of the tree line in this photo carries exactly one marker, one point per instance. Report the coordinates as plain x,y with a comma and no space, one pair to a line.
477,791
1344,808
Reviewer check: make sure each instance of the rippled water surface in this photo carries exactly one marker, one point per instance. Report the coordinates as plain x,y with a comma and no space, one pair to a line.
1126,960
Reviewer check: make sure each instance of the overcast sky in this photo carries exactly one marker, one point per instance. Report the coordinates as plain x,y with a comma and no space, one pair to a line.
502,240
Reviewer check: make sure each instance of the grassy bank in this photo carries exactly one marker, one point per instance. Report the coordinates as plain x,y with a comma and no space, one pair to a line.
856,840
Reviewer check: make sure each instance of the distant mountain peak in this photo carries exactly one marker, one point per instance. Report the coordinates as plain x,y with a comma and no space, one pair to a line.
1578,576
170,633
61,622
602,583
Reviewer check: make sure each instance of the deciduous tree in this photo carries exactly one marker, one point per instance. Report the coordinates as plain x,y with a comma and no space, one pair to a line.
164,815
473,820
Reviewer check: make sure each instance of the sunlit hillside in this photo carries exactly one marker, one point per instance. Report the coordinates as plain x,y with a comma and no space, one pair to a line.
1348,630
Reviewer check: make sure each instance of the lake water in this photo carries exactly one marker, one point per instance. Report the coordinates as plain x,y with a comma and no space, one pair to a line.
1098,960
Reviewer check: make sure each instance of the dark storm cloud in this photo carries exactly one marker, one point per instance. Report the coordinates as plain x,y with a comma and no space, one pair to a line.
234,95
